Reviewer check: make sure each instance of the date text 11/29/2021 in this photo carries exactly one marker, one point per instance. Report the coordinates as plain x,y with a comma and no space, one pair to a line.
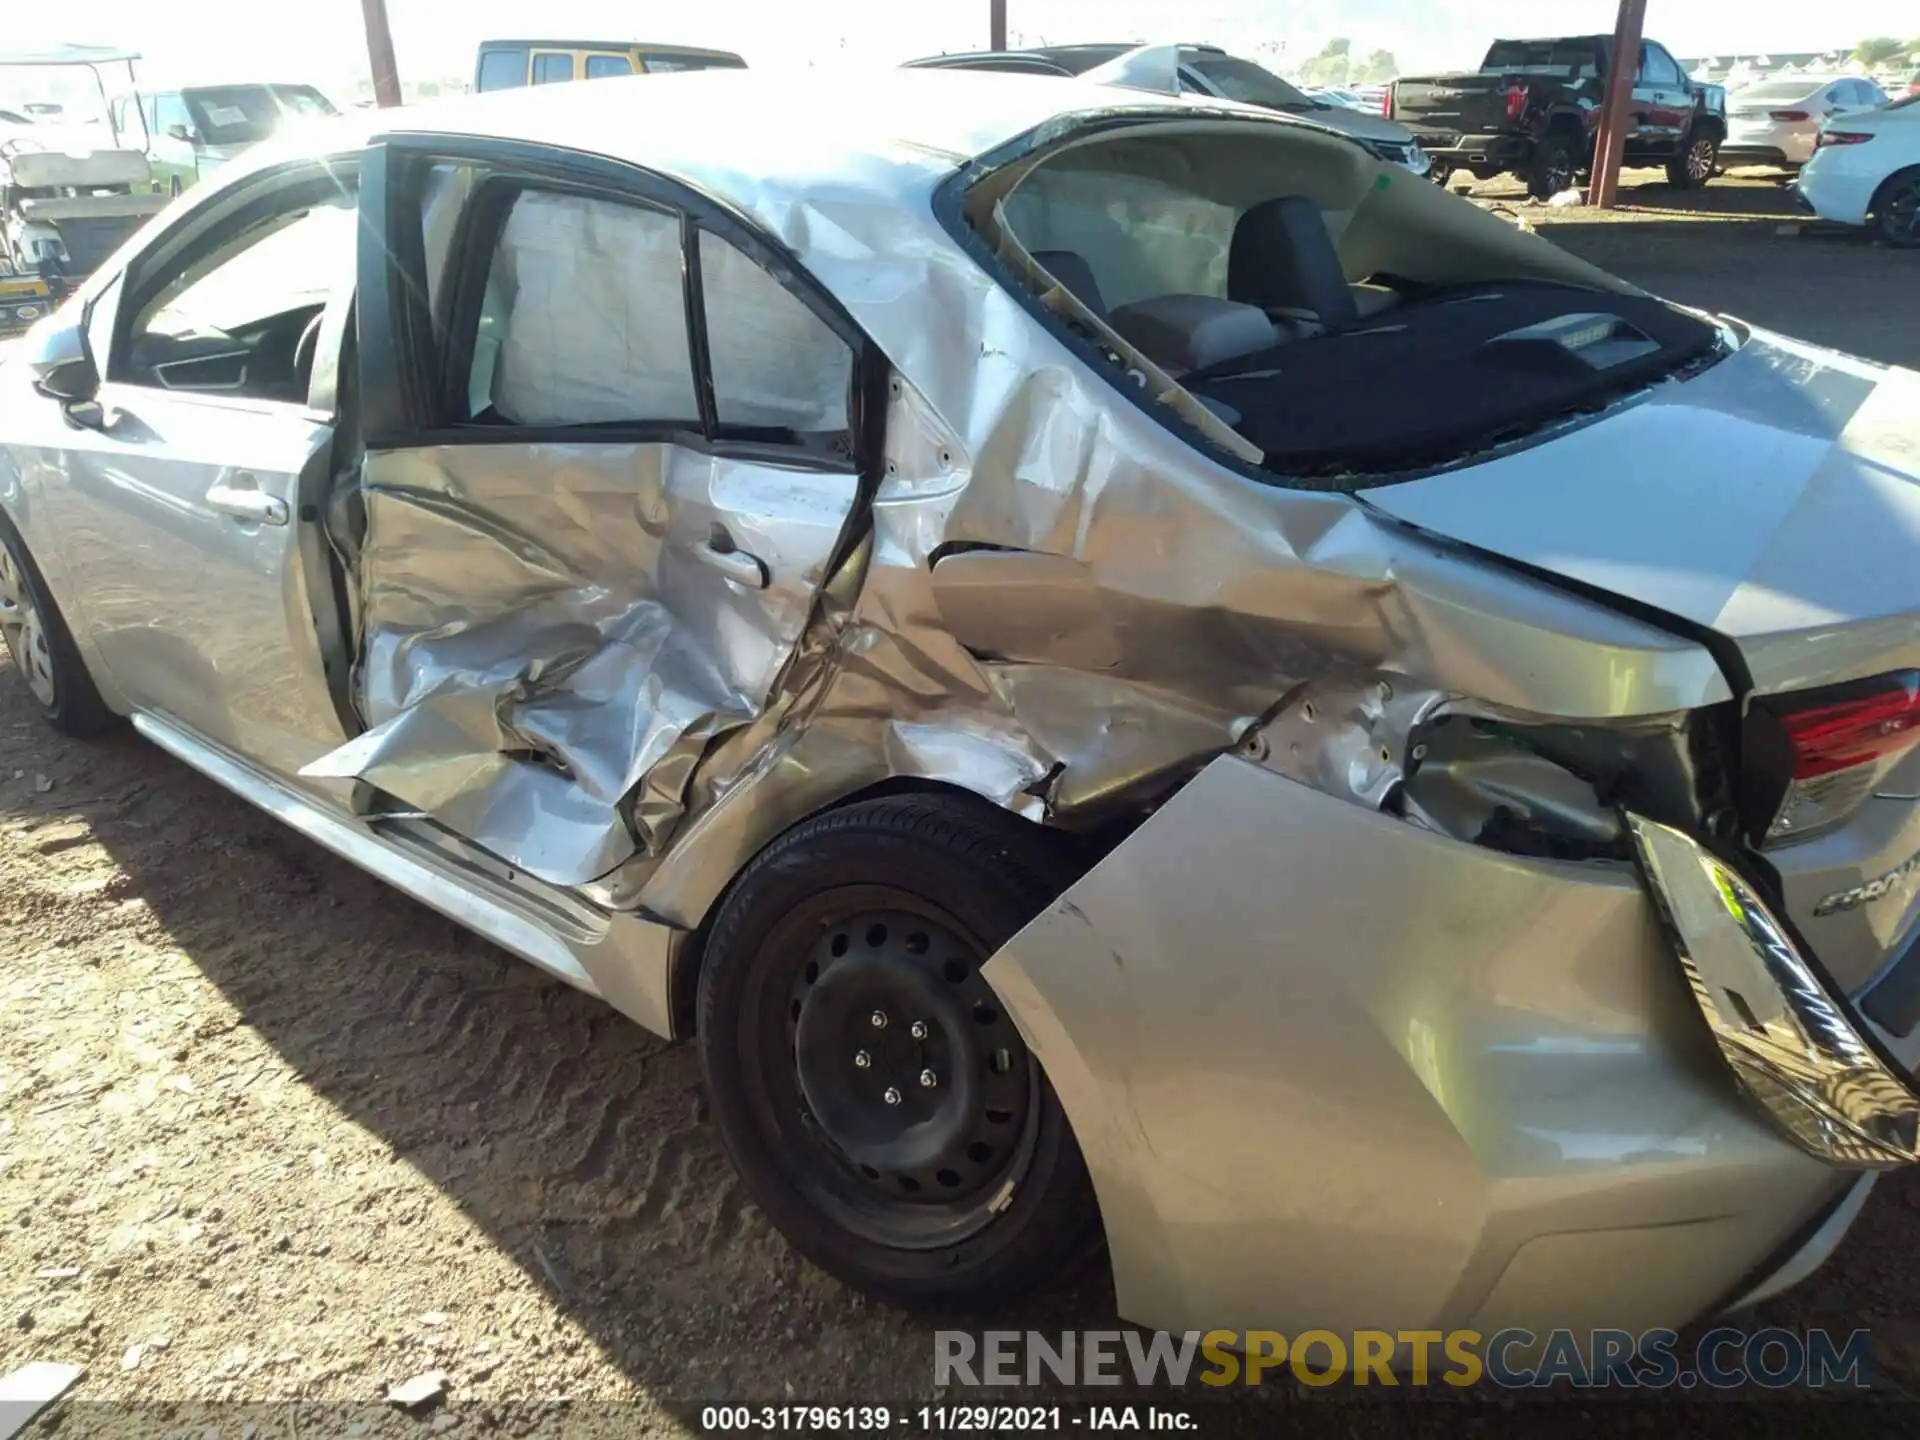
942,1419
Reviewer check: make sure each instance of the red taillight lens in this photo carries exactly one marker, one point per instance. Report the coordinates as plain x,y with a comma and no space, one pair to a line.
1843,739
1841,137
1516,102
1834,737
1386,102
1794,115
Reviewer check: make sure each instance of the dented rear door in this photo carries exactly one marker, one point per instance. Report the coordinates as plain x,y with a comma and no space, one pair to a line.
610,458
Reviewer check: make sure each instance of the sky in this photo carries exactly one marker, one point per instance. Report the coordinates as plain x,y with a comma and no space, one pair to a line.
321,41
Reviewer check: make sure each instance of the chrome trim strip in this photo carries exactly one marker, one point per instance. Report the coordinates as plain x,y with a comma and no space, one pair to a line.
1790,1045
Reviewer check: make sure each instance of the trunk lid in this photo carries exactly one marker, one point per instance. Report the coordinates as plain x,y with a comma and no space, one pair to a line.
1775,500
1468,103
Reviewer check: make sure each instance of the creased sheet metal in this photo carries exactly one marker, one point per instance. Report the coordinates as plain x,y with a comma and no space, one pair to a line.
1198,598
545,659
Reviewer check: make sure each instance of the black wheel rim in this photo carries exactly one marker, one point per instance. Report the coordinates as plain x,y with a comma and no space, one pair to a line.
1559,172
899,1092
1901,218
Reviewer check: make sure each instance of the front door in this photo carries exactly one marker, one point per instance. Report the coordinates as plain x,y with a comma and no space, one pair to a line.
183,515
596,532
1662,105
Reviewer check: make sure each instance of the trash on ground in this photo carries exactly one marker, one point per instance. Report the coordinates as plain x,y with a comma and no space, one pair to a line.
421,1390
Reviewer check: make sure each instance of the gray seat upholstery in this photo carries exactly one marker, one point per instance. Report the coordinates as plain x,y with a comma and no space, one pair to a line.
1283,259
1180,333
1073,271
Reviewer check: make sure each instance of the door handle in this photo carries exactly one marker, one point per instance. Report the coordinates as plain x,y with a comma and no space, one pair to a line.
720,553
247,501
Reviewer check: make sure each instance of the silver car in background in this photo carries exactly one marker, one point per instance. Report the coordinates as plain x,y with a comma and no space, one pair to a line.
1127,669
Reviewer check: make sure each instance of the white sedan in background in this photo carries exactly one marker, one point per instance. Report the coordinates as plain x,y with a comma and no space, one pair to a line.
1866,171
1777,122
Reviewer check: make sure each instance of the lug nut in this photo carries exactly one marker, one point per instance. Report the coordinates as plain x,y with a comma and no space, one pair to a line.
928,1079
861,1060
919,1029
892,1097
879,1019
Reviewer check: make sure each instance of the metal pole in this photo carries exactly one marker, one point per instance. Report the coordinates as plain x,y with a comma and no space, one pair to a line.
1615,118
386,75
997,24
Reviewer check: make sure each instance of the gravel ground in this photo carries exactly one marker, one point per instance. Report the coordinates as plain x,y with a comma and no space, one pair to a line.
270,1133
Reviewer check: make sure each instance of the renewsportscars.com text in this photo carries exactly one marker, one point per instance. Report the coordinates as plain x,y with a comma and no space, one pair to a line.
1721,1359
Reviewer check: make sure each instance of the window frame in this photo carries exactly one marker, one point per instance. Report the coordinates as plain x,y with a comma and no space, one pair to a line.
1651,54
519,65
588,61
533,67
208,227
414,385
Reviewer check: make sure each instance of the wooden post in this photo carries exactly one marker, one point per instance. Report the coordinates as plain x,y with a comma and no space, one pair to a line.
1615,117
997,24
386,75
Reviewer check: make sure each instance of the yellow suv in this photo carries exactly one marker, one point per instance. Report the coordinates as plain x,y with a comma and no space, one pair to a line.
505,64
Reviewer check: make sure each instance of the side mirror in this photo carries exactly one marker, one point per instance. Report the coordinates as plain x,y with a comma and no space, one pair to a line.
56,356
73,382
183,133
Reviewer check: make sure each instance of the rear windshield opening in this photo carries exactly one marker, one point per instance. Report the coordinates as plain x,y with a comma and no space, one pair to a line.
1314,311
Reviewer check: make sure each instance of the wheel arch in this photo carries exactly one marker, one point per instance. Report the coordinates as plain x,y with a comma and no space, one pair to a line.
1898,177
1568,125
683,975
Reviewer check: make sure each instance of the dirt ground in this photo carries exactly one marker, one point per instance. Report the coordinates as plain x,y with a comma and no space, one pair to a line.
270,1133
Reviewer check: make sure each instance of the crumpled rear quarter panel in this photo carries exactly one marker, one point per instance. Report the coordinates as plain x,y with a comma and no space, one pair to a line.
1300,1039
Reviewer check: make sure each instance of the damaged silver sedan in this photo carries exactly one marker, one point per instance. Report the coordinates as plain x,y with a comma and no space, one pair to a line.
1129,670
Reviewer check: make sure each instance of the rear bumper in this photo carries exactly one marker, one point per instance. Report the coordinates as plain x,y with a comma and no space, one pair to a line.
1731,154
1330,1070
1466,152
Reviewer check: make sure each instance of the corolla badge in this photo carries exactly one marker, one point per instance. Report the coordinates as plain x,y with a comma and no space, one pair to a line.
1873,890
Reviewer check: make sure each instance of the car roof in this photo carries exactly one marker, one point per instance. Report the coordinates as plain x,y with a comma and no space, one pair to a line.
652,47
1074,59
68,55
714,124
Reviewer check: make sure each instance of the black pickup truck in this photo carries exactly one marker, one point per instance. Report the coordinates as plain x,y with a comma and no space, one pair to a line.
1533,108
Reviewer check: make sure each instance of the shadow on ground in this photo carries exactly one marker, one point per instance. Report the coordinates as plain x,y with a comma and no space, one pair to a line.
579,1145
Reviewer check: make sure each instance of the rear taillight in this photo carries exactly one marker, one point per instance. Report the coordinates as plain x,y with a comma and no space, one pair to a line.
1841,137
1796,116
1516,102
1843,740
1386,102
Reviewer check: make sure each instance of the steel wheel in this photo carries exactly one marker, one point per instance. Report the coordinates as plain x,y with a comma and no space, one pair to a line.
1900,214
909,1100
882,1109
25,632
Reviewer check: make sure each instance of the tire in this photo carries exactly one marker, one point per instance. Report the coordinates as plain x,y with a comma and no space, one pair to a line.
1698,160
881,1108
42,647
1896,211
1552,168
